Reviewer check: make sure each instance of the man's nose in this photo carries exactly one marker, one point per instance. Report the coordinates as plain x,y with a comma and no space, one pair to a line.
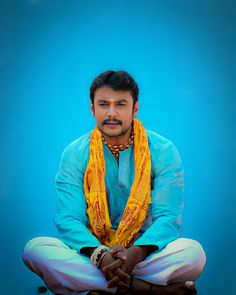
111,111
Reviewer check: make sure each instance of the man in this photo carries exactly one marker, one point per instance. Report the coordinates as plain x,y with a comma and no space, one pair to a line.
119,208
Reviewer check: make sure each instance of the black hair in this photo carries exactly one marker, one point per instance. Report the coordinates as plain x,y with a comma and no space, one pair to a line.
117,80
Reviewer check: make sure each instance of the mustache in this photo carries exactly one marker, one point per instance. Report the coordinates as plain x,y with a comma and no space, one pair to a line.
107,121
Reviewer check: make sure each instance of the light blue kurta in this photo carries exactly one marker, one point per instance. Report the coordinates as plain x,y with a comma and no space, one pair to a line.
163,222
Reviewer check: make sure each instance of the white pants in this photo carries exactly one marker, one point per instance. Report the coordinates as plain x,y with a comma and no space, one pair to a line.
66,272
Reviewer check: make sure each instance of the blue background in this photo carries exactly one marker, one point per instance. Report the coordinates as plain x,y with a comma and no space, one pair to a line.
182,54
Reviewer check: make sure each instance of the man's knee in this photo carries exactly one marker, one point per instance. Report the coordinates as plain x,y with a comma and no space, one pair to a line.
33,249
195,256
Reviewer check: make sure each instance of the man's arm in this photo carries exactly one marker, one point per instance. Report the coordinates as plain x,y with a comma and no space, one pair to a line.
71,219
167,199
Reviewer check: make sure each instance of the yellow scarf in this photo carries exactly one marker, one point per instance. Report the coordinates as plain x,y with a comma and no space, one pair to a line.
95,191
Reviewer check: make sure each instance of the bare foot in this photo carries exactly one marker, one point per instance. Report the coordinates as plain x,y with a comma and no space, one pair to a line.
142,287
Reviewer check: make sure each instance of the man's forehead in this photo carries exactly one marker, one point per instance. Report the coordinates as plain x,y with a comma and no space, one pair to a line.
109,93
111,100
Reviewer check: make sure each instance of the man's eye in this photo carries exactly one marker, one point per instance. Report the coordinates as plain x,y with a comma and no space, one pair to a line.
121,104
103,104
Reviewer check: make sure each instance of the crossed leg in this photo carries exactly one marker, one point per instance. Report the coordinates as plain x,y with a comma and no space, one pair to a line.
65,271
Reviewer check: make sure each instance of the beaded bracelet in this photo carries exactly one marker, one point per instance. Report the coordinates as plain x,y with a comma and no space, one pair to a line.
98,254
101,257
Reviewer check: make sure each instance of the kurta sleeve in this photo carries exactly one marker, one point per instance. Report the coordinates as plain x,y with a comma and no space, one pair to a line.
70,218
167,198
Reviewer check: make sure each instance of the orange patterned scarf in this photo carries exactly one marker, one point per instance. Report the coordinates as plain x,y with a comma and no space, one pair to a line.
95,191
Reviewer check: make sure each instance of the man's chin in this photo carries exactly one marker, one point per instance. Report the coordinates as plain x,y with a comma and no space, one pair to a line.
111,133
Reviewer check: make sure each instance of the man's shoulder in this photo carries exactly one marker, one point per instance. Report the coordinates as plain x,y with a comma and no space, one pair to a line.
80,143
78,147
163,151
157,141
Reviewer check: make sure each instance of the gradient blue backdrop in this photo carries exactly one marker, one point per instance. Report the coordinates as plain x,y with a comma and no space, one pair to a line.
182,54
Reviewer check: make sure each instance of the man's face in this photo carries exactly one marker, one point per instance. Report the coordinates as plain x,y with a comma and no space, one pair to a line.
113,111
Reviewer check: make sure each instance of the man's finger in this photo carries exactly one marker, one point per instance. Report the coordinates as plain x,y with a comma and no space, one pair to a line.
114,265
117,282
119,255
113,282
116,249
122,275
123,285
108,275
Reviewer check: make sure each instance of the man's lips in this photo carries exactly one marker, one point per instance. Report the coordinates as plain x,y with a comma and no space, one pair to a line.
111,123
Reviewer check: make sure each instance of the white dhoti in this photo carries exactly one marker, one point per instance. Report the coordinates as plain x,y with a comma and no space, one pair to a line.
67,272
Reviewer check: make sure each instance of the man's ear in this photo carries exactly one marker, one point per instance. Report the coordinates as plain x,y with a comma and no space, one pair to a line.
135,109
92,109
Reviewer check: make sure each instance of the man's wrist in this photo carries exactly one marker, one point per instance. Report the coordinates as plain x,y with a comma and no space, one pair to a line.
88,251
98,254
143,251
136,253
